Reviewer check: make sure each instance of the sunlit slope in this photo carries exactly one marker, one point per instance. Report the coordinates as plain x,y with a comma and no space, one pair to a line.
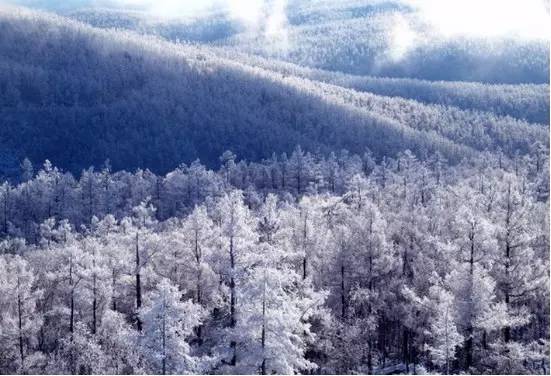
79,95
529,102
384,38
475,117
394,39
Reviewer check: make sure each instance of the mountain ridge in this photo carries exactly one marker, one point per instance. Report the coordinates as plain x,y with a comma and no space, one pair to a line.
142,101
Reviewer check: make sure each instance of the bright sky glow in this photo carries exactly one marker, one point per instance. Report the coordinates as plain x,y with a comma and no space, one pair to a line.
448,19
164,8
527,19
250,12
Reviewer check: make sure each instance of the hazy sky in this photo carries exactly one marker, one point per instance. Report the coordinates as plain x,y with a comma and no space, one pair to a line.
525,18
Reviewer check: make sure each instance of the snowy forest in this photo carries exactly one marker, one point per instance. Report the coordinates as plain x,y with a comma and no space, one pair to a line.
280,187
296,264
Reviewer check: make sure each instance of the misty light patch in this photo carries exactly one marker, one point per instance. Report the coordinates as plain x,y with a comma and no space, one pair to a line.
403,38
528,19
488,18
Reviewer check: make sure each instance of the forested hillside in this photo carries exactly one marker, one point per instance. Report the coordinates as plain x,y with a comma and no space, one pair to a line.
528,102
142,102
196,195
362,37
295,264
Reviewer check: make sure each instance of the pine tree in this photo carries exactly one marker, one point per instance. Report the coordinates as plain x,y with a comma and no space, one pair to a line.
444,333
237,227
20,321
168,322
275,308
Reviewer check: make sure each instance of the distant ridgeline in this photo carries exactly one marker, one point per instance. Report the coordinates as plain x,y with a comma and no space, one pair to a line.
77,96
384,38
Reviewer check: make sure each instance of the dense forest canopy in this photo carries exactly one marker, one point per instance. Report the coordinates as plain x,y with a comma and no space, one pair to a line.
295,264
381,211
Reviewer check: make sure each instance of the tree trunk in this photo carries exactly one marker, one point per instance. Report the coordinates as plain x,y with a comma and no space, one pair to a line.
263,335
113,295
343,293
507,292
405,349
198,286
72,319
164,339
383,332
72,298
469,348
470,330
20,326
233,344
94,307
370,356
138,285
507,329
447,345
94,297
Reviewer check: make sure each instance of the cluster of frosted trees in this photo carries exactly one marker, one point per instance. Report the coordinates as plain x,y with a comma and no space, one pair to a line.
302,264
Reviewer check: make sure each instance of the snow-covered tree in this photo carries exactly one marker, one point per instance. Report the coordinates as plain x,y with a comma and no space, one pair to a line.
168,322
20,321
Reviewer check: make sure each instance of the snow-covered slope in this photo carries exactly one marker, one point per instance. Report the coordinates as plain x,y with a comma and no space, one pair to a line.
528,102
385,38
142,101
